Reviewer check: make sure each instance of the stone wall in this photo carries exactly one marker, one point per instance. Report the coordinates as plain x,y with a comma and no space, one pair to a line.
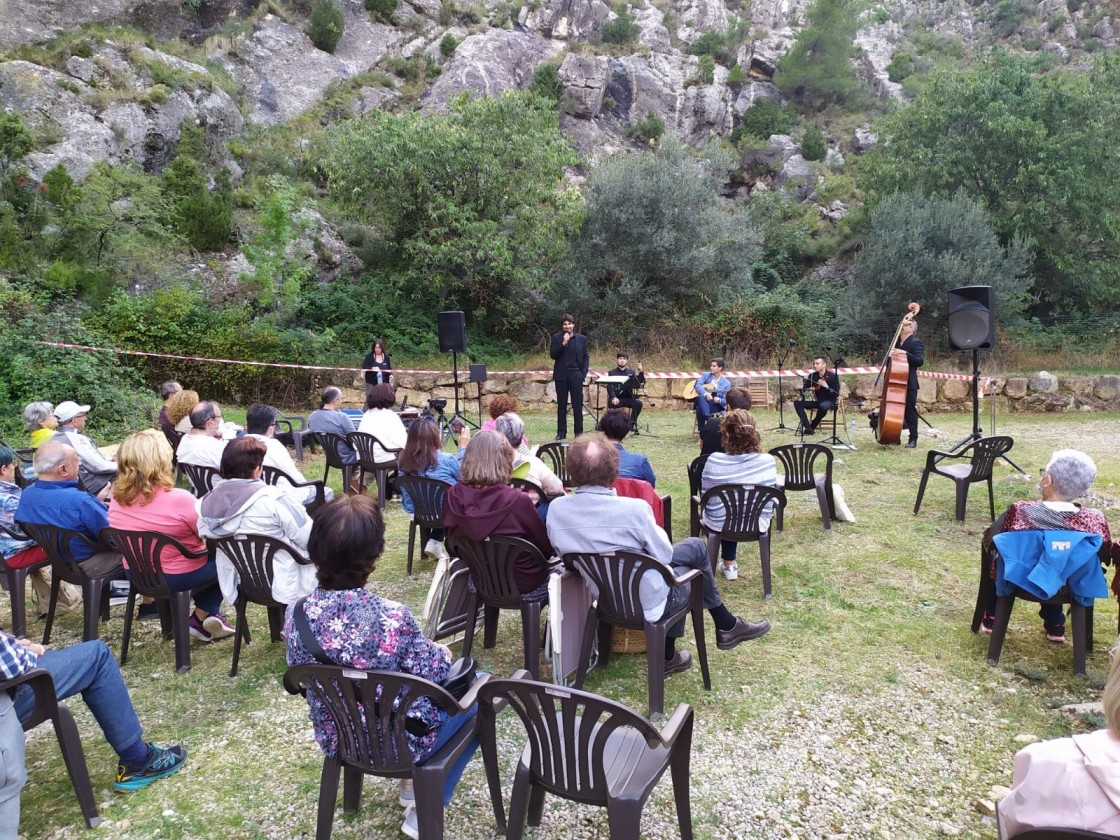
1037,393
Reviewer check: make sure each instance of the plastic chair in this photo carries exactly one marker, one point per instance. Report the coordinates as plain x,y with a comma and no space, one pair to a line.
278,478
798,461
427,500
295,433
202,479
587,749
448,599
616,576
381,748
364,445
982,457
143,551
554,454
695,473
95,594
15,581
526,485
493,563
252,556
743,505
335,449
48,707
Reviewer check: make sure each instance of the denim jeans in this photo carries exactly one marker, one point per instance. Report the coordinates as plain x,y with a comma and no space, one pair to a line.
207,598
446,733
692,553
89,668
13,770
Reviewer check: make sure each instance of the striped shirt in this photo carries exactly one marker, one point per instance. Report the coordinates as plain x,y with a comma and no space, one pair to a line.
752,468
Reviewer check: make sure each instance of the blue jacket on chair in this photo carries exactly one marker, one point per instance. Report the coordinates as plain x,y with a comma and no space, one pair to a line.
1042,562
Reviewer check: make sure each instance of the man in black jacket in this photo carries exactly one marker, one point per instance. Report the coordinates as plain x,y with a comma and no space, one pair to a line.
571,362
826,386
622,395
916,357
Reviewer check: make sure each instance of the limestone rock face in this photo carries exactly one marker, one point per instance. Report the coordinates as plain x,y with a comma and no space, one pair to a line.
488,64
1043,382
565,19
877,45
585,81
36,21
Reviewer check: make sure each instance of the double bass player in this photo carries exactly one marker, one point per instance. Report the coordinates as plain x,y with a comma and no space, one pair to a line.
909,343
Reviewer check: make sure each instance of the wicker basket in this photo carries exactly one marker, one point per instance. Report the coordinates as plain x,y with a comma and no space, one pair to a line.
628,641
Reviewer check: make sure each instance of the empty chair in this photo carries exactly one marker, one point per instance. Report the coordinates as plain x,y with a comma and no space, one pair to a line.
291,430
799,463
744,506
587,749
427,500
616,577
202,478
981,457
279,478
553,455
368,448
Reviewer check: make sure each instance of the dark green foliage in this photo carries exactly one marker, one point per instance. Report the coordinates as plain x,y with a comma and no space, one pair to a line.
382,9
1009,16
546,81
710,43
813,146
818,70
707,69
901,66
325,27
736,76
15,140
620,30
722,45
202,218
648,129
447,45
767,117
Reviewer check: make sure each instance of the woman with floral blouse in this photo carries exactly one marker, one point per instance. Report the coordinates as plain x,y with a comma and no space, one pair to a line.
357,628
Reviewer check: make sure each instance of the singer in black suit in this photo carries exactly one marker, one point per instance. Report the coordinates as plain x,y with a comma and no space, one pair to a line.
569,370
622,396
915,357
826,384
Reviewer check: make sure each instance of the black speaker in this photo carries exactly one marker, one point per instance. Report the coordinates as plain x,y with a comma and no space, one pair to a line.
452,332
478,373
972,321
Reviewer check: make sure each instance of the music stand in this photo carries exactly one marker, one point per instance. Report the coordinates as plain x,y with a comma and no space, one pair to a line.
478,376
782,427
834,441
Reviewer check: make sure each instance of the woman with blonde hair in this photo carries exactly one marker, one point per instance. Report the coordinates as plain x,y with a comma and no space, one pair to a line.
145,499
1070,782
179,409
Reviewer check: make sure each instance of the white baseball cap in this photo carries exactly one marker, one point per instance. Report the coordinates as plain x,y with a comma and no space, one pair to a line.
68,410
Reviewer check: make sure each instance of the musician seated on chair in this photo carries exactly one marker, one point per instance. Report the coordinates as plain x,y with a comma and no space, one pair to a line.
594,519
711,438
1068,476
711,392
622,395
1070,782
825,385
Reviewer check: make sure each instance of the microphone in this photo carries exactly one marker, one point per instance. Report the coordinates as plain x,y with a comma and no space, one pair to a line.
792,343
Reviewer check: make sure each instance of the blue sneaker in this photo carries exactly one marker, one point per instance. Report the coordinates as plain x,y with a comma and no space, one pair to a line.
162,762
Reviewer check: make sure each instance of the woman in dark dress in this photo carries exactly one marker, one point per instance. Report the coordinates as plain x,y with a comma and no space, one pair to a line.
378,367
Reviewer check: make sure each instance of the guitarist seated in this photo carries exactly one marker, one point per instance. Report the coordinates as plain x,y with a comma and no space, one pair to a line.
711,392
826,386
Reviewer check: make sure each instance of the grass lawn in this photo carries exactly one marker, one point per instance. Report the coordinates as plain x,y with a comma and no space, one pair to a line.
868,711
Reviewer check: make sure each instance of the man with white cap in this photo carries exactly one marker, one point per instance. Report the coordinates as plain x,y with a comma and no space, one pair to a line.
97,471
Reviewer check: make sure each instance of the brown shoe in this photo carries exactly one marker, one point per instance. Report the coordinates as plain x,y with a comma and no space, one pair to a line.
741,632
356,486
681,661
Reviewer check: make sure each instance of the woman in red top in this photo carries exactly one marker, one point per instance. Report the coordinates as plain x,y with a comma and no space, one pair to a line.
145,499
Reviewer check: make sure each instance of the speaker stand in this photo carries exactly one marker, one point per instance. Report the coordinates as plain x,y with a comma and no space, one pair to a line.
977,432
449,428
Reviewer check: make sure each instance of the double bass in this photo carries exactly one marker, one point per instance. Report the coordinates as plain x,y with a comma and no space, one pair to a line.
894,373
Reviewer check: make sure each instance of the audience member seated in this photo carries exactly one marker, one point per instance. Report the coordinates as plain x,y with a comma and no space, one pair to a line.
483,505
1068,476
711,438
39,420
594,519
525,463
97,471
243,504
203,444
616,425
741,462
355,627
88,669
56,500
329,419
179,410
260,422
20,553
166,391
380,420
145,498
499,405
423,455
1070,782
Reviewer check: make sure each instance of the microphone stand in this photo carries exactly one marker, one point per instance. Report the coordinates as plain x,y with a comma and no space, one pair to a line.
781,427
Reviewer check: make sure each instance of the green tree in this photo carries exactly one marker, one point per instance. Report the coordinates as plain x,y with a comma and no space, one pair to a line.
1035,145
15,140
620,30
325,26
278,274
202,218
469,202
818,70
813,145
918,249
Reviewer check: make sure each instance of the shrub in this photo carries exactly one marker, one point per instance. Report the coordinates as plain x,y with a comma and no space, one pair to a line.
382,9
736,76
813,146
767,117
710,43
325,26
901,66
707,69
621,30
546,82
648,129
447,45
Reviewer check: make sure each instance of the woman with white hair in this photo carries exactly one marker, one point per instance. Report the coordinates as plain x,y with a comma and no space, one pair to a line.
39,420
1068,476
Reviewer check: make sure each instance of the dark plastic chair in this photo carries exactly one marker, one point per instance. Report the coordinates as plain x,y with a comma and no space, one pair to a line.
449,598
15,581
982,457
587,749
48,707
276,477
363,445
202,478
24,458
173,437
525,485
695,472
380,748
95,594
493,563
335,448
143,551
743,505
617,577
427,500
799,461
252,556
292,431
553,454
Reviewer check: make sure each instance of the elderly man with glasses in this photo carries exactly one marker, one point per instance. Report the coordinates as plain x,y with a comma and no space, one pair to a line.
97,471
203,444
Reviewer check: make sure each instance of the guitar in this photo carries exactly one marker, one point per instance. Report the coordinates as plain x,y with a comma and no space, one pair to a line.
690,392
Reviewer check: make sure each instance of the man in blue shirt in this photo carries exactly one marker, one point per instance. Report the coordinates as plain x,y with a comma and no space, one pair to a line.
711,392
615,424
